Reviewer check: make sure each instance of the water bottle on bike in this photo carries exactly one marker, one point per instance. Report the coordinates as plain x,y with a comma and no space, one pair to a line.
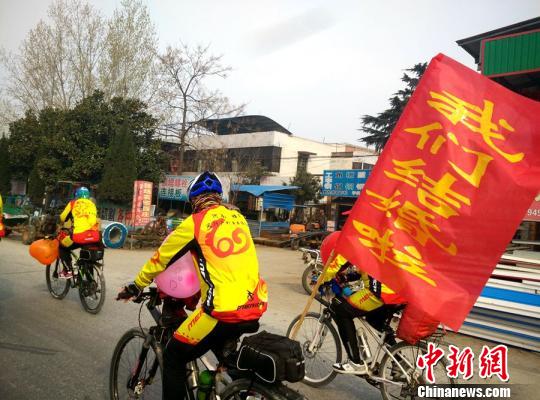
206,384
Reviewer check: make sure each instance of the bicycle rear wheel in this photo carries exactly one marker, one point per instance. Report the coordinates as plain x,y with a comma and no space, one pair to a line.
58,288
309,278
136,370
91,288
407,354
326,349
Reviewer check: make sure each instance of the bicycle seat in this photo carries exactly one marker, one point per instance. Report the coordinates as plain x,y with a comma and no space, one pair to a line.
247,327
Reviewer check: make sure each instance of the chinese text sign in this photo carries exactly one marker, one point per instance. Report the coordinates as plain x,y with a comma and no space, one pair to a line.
343,183
174,187
142,201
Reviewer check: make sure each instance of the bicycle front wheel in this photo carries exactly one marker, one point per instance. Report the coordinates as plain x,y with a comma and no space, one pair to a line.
321,348
91,288
136,370
405,386
247,389
58,288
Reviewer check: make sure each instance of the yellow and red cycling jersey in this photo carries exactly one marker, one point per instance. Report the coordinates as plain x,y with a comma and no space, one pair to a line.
364,299
224,255
83,212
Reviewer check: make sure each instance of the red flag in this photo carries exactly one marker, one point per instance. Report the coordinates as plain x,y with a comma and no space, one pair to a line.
448,192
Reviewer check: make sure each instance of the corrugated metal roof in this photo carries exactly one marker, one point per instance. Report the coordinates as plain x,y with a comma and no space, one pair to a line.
512,54
243,124
472,44
257,190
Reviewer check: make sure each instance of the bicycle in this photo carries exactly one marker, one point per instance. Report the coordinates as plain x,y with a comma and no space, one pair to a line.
392,366
314,268
87,276
137,363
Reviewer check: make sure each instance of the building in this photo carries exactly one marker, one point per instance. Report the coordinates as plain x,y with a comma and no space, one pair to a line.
508,309
239,144
509,55
255,150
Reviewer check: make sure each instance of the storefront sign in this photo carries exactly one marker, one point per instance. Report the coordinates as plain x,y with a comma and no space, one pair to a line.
533,213
344,183
174,187
142,201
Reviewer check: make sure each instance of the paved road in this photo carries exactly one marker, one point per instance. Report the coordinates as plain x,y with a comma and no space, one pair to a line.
52,349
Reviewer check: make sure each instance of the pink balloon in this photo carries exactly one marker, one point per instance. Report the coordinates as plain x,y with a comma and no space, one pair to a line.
180,279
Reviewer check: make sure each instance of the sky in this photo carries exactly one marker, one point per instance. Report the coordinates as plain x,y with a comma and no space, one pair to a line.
313,66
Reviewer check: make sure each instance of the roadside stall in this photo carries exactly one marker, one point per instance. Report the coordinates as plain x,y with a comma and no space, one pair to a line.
266,208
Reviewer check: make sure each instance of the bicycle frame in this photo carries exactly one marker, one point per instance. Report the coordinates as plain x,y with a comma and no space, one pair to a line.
81,265
155,334
379,337
382,347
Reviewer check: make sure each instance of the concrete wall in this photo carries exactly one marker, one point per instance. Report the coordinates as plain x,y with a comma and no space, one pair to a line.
320,160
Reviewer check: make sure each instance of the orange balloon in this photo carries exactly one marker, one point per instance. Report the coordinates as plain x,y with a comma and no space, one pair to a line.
45,250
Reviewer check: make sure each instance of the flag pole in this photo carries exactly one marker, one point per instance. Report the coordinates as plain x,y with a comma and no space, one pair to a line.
312,296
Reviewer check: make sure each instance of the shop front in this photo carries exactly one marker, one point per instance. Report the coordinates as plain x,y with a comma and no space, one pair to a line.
342,188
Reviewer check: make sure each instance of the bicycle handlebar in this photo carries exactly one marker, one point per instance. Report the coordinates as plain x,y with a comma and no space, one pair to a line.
145,294
304,250
321,300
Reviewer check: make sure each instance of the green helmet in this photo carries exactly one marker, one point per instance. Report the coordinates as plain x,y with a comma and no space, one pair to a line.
82,193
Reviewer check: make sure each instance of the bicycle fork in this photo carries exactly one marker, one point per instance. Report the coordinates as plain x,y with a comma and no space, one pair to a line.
320,334
135,383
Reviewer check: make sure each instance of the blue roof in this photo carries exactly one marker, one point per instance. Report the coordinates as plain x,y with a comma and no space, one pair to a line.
257,190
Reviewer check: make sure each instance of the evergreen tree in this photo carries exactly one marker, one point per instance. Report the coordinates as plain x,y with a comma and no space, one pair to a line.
120,169
78,140
5,173
379,127
36,186
309,187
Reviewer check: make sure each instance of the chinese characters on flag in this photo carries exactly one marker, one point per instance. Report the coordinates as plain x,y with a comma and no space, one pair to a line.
142,201
448,192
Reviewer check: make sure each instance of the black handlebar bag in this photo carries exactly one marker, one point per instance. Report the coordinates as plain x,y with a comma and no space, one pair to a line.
273,358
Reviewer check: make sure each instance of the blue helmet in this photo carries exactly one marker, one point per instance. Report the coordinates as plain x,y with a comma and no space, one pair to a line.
207,182
82,193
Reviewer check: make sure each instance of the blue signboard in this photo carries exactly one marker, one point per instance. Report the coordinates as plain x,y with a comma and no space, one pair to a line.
344,182
174,187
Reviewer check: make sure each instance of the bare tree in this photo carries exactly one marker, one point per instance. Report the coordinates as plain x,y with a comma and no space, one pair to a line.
76,51
8,113
182,75
128,65
57,61
248,171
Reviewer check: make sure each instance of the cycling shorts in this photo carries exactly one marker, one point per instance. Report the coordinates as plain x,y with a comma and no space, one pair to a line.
196,327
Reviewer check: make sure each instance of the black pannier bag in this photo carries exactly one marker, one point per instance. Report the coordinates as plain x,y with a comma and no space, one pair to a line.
273,358
92,252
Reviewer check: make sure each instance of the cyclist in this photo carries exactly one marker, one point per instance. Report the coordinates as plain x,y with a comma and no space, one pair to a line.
80,227
358,295
231,289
